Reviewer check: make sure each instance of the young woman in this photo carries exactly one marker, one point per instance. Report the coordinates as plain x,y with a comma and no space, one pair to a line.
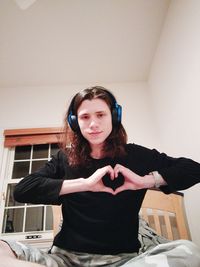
101,181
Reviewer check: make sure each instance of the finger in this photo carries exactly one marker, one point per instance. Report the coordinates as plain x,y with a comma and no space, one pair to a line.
106,169
112,175
118,169
111,172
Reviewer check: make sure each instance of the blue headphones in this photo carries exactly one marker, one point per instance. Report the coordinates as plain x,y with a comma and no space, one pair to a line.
116,111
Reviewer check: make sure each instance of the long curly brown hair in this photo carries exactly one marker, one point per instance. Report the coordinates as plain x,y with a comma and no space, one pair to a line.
76,146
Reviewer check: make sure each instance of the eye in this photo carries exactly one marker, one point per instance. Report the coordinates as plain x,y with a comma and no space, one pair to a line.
100,115
84,117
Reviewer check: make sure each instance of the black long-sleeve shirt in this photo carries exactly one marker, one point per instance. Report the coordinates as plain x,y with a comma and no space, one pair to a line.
99,222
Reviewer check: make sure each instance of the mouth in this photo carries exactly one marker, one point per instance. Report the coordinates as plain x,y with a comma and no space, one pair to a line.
95,133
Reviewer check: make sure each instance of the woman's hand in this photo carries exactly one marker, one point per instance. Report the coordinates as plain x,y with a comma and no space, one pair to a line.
95,183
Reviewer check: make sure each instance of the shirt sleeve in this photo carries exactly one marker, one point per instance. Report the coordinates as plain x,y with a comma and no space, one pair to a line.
44,185
179,173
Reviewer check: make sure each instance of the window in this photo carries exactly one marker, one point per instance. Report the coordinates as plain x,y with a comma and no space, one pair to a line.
26,222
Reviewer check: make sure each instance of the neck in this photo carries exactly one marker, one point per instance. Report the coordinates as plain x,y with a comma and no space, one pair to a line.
96,152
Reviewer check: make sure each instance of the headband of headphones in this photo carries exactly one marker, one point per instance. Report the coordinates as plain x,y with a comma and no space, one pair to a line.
116,112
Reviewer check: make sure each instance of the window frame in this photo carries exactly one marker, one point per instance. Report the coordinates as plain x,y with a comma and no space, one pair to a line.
32,136
12,139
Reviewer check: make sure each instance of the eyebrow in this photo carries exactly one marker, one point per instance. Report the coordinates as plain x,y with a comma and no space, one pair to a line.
101,111
87,113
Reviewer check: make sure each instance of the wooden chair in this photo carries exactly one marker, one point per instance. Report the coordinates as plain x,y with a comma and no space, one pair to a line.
164,213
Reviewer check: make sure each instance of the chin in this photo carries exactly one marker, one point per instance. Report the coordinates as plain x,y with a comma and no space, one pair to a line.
96,142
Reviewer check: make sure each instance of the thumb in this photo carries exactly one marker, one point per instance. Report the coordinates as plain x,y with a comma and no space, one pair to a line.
109,190
119,189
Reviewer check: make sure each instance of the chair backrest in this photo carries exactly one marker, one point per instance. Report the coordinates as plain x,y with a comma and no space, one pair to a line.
164,213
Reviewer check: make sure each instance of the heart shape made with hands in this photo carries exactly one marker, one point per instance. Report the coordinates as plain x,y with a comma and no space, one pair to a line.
114,184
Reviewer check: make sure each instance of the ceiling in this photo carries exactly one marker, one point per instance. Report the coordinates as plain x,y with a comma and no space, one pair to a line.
52,42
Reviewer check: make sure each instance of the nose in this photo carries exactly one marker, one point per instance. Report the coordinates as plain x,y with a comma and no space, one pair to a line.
93,123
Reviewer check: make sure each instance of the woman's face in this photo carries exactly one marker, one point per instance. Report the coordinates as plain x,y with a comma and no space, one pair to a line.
95,121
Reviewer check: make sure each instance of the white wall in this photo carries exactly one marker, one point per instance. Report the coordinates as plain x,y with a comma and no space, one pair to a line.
175,93
29,107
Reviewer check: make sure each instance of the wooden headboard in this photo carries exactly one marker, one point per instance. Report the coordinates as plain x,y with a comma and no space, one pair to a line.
166,214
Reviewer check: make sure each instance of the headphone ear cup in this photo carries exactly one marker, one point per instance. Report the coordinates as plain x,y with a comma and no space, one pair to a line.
116,115
73,122
119,114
